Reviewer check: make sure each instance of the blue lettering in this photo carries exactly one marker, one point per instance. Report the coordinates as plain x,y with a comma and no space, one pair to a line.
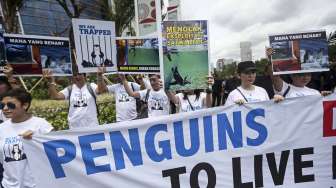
119,144
164,145
56,161
208,134
89,154
260,128
235,134
194,138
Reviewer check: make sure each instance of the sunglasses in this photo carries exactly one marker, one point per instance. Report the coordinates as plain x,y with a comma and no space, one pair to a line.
9,105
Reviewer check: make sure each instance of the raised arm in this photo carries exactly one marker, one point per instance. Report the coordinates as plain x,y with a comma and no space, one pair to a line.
102,88
8,71
172,97
129,91
208,98
54,94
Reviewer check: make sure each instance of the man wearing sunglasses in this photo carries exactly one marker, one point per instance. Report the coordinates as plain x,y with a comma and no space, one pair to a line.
83,110
15,104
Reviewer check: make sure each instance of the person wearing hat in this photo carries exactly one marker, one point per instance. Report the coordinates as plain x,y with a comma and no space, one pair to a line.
247,92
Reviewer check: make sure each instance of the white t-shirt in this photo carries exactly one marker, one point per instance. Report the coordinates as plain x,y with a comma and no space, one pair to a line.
82,110
158,103
125,104
17,173
197,104
296,91
258,94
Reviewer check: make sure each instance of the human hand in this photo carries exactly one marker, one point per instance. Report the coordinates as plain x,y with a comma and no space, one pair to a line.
325,93
278,98
28,135
239,101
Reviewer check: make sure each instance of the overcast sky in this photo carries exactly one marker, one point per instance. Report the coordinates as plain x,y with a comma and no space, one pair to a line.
232,21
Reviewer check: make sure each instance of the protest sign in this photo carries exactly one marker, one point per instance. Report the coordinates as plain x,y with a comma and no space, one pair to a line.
95,45
299,52
138,55
263,144
29,54
186,55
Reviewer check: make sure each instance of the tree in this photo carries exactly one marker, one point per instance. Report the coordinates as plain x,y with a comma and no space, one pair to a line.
73,10
121,12
261,66
9,15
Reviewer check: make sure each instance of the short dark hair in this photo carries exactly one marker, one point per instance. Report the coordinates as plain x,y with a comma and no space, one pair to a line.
157,75
4,80
20,94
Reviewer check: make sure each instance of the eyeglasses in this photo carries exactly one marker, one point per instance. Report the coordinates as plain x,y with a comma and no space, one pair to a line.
9,105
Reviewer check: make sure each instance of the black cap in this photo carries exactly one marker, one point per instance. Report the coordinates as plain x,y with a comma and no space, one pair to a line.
246,66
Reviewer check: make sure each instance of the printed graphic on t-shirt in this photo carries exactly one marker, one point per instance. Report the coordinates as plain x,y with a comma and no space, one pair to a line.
193,108
156,103
13,149
80,100
123,97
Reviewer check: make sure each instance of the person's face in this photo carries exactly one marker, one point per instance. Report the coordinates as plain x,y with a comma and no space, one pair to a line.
247,78
12,108
155,82
79,79
301,80
3,88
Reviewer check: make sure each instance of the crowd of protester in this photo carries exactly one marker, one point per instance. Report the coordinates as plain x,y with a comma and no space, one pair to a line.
143,97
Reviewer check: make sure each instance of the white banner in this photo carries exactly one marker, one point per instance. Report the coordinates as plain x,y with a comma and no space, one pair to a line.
95,45
291,144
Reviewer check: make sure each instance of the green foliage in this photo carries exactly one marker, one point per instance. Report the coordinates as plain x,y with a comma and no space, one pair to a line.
227,71
261,65
122,13
56,112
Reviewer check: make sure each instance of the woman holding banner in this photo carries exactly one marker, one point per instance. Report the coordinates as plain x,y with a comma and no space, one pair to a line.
192,100
15,104
297,88
247,92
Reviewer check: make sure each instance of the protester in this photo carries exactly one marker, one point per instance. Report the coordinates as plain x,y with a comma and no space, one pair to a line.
297,88
329,78
217,88
7,82
15,104
192,100
156,98
126,107
231,84
265,80
83,110
247,92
